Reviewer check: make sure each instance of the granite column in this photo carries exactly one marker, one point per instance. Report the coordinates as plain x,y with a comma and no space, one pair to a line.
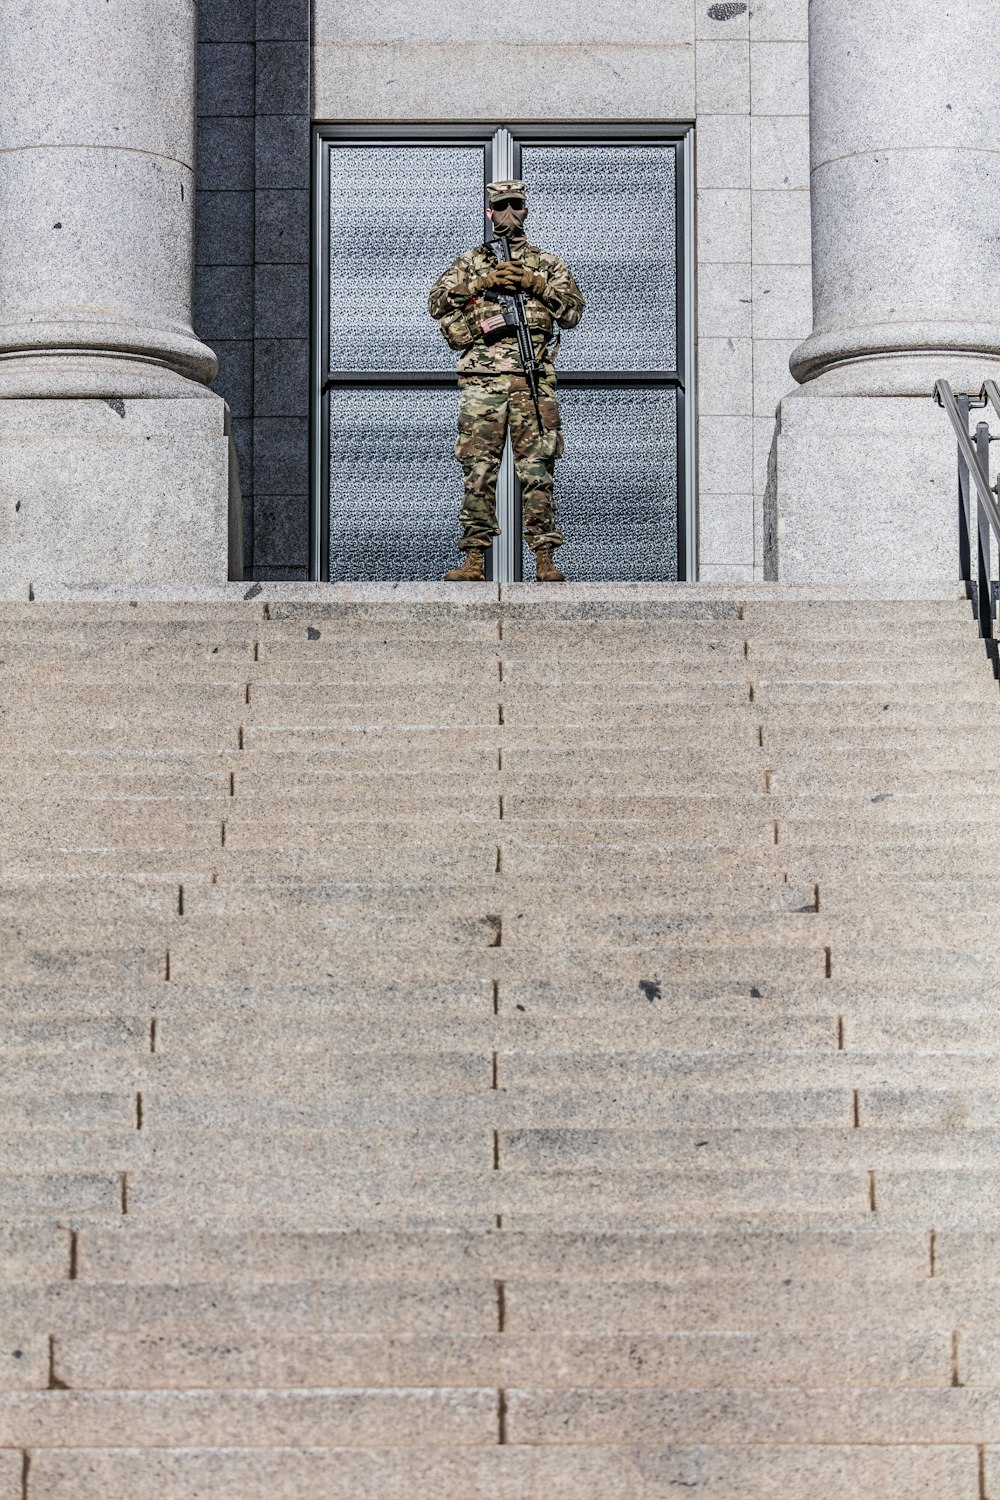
114,461
906,288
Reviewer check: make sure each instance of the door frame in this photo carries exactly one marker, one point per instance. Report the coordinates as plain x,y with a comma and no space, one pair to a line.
481,133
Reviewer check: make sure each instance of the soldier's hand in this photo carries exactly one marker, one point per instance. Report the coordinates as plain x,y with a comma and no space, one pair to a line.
480,284
511,277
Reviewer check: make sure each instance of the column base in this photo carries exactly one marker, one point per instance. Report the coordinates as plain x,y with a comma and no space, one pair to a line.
73,373
103,492
913,374
862,490
898,372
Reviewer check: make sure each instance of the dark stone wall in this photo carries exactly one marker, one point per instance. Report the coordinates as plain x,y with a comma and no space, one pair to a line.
252,259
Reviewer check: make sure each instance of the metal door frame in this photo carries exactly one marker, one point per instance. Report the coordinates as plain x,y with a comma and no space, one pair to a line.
487,136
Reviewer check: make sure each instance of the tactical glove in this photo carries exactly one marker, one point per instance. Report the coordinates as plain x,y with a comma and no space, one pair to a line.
464,291
485,283
511,277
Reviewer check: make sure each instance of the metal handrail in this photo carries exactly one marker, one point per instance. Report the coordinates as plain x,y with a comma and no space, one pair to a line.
974,470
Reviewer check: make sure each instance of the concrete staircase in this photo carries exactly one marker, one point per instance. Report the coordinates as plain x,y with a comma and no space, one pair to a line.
473,1049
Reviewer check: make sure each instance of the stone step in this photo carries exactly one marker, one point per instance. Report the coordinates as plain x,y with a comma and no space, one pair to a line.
316,1196
466,1305
522,1005
718,1471
35,1253
85,861
897,1360
777,641
128,700
683,1106
130,1253
103,650
197,958
786,1305
825,1149
181,1038
266,924
104,1034
59,1194
471,856
740,728
866,782
337,957
250,660
167,1418
170,908
386,1071
46,787
532,1306
885,1415
649,1072
446,998
543,817
184,1032
27,1108
931,858
671,996
550,614
168,1148
173,1150
235,897
282,785
565,858
151,733
424,797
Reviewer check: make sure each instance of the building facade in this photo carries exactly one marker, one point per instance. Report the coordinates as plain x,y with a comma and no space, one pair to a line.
204,204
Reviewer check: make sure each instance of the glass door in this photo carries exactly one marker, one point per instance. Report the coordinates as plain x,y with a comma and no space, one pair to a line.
392,214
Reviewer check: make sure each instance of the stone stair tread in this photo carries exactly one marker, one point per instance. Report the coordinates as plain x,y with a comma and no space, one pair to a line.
721,1471
183,1360
169,1418
298,1151
784,1299
128,1252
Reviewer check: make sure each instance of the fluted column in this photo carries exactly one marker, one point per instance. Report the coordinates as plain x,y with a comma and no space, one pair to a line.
97,122
905,187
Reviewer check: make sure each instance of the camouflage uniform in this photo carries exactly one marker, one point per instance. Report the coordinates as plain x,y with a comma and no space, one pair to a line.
493,391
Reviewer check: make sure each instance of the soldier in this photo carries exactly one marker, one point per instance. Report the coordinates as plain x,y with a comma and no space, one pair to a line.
493,390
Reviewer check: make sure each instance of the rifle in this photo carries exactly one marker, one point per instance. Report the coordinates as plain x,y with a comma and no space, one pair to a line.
513,306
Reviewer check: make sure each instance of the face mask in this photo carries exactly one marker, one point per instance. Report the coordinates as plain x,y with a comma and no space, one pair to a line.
509,216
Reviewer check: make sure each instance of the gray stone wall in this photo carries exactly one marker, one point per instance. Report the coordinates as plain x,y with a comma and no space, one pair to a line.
740,70
754,255
252,258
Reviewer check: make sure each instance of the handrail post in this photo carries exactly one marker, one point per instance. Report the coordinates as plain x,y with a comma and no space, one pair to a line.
984,589
964,505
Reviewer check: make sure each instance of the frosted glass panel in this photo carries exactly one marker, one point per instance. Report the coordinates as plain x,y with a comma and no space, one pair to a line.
610,213
395,487
398,216
616,486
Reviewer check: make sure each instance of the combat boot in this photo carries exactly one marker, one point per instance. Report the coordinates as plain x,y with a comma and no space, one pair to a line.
545,566
471,570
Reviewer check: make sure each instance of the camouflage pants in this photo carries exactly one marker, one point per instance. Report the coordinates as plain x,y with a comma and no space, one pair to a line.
488,404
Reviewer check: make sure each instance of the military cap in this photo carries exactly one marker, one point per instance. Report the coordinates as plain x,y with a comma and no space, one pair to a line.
511,187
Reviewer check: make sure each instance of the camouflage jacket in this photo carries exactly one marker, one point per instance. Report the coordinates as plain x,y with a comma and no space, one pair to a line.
459,314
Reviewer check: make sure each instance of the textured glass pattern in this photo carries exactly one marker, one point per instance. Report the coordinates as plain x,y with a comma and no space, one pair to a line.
610,212
399,214
616,485
395,487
